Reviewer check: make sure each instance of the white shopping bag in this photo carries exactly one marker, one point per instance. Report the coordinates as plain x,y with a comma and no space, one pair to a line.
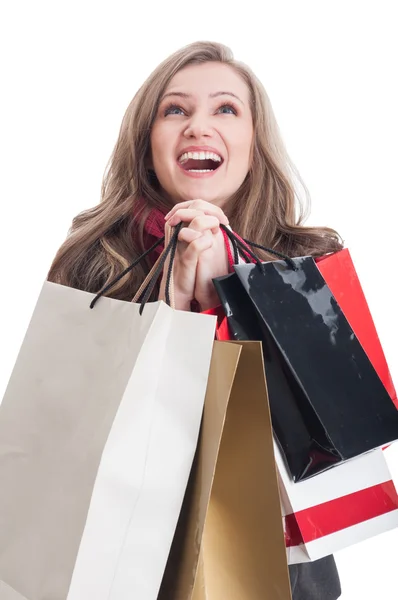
335,509
98,431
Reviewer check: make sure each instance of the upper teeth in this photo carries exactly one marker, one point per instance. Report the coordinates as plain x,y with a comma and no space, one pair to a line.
199,156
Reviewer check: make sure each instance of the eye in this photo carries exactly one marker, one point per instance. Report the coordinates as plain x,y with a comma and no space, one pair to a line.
173,109
227,109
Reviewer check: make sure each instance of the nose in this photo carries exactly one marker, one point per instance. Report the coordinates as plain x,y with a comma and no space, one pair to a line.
198,127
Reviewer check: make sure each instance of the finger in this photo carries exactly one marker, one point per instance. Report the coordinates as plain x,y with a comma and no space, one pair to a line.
186,215
196,220
195,249
210,209
201,205
176,207
187,235
205,223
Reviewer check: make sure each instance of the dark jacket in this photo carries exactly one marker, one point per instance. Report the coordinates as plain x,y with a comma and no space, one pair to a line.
318,580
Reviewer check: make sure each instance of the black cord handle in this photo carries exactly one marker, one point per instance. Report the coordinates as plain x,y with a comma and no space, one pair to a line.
245,250
174,243
237,244
146,293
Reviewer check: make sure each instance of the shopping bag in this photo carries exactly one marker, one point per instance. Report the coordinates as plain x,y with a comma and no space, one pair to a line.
98,431
339,272
229,541
327,401
350,503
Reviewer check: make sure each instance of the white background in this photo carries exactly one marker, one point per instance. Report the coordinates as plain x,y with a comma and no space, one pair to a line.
69,69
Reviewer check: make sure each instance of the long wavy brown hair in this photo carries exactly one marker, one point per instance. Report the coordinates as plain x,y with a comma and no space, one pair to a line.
267,208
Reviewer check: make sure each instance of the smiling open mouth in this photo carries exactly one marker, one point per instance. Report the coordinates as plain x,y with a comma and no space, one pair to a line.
200,162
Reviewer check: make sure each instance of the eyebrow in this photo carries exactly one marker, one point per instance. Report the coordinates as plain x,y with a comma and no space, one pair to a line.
214,95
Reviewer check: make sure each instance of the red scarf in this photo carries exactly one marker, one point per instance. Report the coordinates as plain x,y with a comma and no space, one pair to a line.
154,225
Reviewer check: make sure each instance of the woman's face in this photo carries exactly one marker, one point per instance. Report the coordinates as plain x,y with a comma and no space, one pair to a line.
202,136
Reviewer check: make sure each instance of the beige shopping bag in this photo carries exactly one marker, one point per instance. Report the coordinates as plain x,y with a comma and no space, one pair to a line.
229,542
98,431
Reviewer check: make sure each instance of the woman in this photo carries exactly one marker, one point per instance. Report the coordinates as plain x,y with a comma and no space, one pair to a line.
198,144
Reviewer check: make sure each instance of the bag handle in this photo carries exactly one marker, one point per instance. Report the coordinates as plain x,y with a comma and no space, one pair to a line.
143,287
242,246
150,280
146,289
142,296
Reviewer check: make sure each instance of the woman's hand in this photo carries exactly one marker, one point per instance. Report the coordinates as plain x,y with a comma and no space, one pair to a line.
201,254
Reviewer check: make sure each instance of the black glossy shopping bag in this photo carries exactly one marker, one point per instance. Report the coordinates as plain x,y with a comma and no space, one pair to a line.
327,402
